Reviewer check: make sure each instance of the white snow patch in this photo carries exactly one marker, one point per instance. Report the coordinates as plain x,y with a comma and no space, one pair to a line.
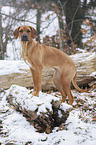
93,74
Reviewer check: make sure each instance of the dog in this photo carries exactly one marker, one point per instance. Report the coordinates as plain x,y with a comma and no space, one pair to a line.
39,56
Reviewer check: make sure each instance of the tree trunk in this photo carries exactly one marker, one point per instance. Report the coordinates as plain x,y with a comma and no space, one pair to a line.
74,16
38,24
61,31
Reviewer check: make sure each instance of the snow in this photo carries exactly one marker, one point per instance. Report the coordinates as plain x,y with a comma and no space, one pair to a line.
93,74
86,55
47,29
13,66
19,131
87,1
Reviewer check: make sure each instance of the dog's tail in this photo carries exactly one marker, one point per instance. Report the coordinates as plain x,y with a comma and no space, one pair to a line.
76,86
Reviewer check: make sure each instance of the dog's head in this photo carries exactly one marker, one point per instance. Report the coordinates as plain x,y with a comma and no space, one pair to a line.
25,33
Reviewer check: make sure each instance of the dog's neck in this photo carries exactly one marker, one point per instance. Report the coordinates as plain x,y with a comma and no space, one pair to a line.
25,46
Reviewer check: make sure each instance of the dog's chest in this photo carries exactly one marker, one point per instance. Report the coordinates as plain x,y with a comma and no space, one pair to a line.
26,57
27,60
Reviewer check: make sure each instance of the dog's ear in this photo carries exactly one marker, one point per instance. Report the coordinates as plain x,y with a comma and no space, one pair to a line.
16,32
33,32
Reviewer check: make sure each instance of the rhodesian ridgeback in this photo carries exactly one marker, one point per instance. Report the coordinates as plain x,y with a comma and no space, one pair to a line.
39,56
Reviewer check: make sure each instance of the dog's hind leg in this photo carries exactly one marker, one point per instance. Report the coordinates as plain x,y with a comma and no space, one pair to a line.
56,80
66,84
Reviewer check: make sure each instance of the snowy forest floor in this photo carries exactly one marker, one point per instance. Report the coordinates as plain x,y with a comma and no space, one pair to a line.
79,129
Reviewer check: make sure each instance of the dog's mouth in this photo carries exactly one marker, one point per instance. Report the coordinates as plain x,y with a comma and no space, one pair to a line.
24,40
24,37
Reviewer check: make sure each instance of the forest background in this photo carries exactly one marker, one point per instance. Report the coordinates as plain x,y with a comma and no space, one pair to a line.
75,24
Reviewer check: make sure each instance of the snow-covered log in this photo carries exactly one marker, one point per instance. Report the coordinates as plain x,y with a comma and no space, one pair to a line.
86,68
44,112
17,72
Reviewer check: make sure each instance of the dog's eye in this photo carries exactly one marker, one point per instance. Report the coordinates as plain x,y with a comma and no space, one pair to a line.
28,31
21,31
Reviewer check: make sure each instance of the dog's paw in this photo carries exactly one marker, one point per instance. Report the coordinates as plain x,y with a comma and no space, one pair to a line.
34,93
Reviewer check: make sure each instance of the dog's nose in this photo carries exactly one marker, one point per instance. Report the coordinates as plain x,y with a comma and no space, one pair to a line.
24,37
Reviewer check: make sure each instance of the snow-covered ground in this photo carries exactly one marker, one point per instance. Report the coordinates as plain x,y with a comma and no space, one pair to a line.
15,129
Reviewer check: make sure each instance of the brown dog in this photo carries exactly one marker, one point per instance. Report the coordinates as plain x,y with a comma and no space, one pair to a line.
39,56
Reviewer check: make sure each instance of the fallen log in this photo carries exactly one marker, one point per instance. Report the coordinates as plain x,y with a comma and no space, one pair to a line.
44,112
86,77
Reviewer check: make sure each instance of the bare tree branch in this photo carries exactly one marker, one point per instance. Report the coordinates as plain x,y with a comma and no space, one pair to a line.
17,19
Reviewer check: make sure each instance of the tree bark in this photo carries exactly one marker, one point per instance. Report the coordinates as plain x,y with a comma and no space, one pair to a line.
38,24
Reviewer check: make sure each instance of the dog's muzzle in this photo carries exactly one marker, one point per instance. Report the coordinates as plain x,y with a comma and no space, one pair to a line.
24,37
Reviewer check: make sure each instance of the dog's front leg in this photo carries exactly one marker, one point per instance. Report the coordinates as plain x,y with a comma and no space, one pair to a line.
37,79
33,76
